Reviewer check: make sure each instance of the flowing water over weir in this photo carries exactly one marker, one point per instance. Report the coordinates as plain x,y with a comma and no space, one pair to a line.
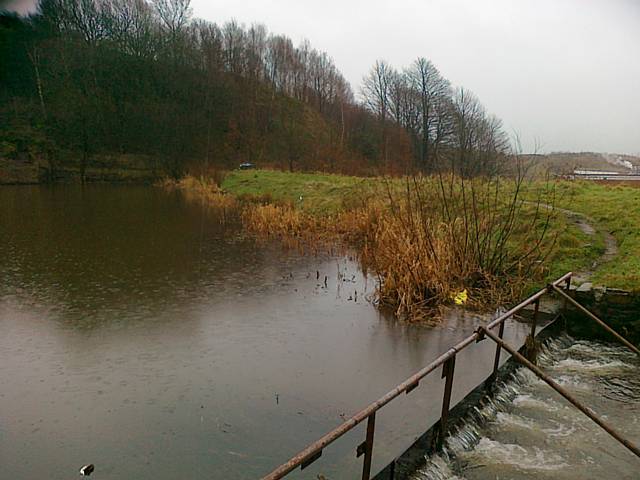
439,453
528,431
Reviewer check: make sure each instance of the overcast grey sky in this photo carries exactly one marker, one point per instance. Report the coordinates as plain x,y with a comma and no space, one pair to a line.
564,71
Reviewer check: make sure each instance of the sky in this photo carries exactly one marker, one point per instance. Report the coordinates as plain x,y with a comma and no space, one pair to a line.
561,74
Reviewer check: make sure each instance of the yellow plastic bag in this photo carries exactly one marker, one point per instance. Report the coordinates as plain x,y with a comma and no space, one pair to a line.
461,298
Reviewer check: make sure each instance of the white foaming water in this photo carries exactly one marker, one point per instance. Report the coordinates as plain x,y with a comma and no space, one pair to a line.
559,429
520,458
437,468
509,420
583,366
575,382
526,400
528,431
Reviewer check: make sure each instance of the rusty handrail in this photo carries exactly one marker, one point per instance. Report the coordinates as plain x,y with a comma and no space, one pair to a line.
549,381
314,450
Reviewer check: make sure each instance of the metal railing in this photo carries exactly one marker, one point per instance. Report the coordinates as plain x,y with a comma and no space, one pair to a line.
447,360
562,391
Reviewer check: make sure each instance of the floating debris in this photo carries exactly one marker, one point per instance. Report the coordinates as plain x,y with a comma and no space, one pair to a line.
87,470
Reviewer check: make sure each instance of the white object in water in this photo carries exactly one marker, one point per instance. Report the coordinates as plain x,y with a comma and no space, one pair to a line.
87,470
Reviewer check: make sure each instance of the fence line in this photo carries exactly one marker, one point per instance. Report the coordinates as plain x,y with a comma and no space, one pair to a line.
314,451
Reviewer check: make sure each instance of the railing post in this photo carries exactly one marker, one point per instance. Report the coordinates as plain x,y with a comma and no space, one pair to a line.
530,342
568,289
447,372
496,361
534,324
366,447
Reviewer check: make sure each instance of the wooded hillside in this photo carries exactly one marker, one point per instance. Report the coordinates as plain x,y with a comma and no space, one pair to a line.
89,85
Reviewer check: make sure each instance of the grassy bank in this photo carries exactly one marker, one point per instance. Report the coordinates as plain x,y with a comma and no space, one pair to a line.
426,252
322,195
314,193
615,209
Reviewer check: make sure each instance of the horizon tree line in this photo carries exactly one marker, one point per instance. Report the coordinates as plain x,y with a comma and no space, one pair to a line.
449,127
145,77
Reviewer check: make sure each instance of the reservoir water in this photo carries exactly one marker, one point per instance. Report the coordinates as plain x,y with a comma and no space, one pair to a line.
139,334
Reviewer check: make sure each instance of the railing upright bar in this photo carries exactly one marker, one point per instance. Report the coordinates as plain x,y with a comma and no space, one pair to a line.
530,342
567,289
534,323
448,369
366,447
496,361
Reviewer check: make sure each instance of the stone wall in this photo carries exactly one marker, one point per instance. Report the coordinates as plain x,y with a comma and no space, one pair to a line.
618,308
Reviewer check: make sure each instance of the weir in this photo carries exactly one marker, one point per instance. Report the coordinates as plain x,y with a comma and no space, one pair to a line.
432,440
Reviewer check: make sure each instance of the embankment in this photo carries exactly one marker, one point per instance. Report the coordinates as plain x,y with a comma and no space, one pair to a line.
427,247
620,309
67,167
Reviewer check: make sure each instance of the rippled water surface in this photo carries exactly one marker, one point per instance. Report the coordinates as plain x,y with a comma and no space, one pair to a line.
138,334
531,432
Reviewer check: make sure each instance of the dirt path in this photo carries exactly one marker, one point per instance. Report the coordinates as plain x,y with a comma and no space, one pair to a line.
586,225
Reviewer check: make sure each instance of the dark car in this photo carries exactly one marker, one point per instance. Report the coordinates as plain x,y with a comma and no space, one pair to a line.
247,166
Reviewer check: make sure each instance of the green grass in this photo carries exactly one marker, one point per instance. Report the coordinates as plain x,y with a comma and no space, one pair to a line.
574,251
321,193
613,208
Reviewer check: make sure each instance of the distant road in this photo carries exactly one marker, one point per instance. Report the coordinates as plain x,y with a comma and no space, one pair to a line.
597,176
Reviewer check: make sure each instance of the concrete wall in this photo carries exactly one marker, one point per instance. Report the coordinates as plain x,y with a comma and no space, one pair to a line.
618,308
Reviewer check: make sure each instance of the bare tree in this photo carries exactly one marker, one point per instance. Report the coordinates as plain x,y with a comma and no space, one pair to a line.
376,89
432,90
174,14
255,51
130,24
174,17
233,36
479,140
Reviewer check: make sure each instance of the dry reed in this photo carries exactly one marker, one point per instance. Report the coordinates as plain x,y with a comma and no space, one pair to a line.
206,191
428,242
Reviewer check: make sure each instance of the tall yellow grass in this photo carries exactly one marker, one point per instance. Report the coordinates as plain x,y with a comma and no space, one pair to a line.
426,248
206,191
424,253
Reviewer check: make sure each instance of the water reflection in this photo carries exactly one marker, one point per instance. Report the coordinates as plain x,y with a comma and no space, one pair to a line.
140,335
